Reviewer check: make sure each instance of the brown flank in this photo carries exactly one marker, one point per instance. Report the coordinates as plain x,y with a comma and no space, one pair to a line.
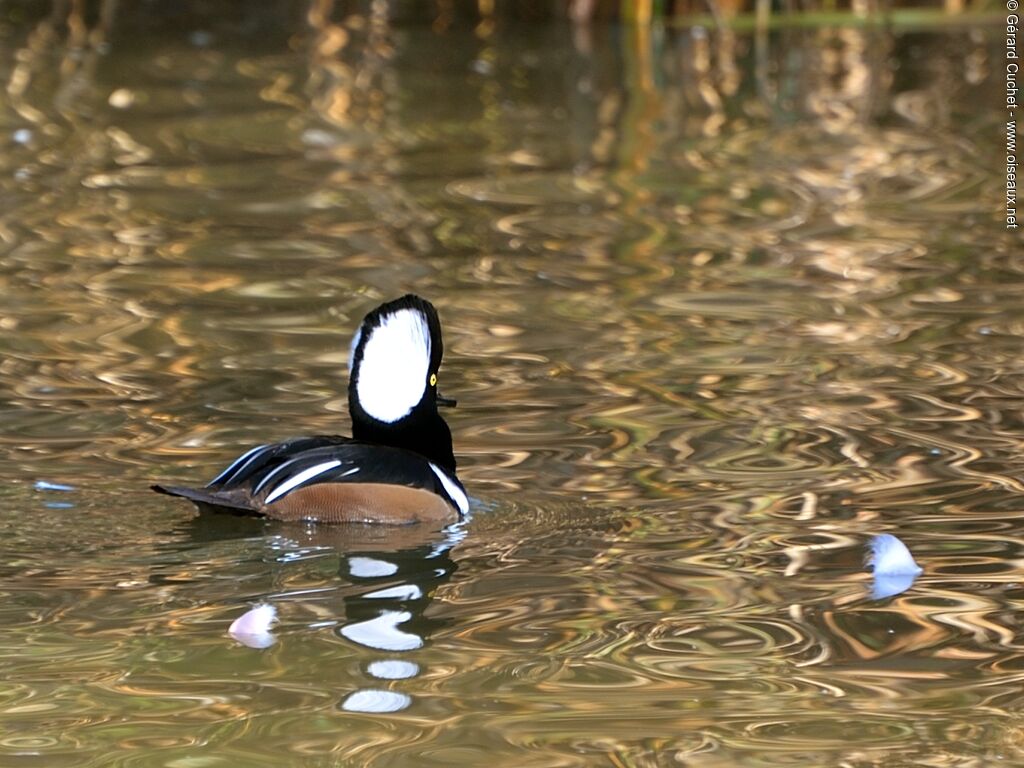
362,503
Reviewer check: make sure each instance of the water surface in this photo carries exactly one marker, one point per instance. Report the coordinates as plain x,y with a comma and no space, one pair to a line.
718,308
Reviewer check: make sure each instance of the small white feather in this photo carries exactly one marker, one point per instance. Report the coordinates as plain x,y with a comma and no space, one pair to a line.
44,485
890,557
252,628
258,619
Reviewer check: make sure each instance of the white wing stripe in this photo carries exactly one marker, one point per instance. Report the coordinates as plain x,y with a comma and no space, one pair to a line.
452,488
299,479
272,474
237,464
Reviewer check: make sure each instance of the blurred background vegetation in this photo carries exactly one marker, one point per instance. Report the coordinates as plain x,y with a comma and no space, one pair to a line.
441,14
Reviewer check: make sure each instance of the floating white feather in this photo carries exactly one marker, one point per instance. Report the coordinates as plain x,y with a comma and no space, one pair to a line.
890,557
894,566
44,485
252,628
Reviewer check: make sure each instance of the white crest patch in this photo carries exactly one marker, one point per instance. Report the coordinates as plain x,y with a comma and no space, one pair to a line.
393,371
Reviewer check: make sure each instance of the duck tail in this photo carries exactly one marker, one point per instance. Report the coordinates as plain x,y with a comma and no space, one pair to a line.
207,500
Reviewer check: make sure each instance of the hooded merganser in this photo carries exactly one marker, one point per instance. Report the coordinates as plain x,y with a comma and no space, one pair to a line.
398,467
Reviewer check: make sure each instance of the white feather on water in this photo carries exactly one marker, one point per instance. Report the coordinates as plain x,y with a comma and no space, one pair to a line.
894,567
252,628
45,485
891,556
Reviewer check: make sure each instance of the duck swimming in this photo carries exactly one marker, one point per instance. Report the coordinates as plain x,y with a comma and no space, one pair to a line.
397,468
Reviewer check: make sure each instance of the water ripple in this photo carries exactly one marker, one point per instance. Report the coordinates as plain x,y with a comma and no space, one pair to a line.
718,308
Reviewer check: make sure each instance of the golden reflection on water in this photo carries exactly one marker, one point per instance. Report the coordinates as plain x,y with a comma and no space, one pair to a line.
718,307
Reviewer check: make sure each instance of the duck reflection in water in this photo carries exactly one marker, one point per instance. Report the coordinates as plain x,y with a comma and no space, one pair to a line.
388,499
387,578
393,589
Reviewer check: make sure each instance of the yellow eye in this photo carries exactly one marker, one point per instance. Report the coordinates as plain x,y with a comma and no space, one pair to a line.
433,379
